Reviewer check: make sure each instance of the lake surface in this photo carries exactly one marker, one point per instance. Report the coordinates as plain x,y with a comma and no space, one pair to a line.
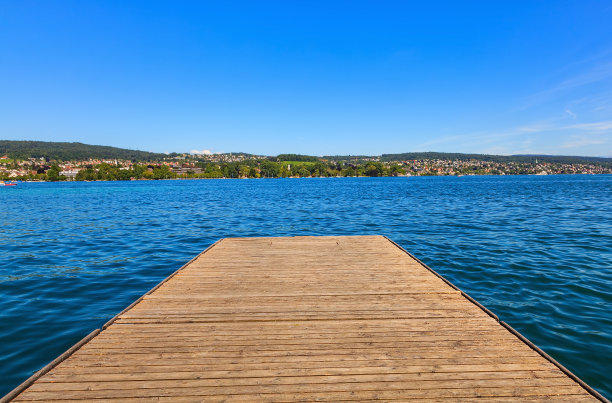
536,250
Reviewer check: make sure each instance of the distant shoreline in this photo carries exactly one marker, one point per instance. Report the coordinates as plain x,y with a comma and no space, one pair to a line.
311,177
54,162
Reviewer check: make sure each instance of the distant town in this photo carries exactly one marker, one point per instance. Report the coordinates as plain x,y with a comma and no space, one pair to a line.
65,162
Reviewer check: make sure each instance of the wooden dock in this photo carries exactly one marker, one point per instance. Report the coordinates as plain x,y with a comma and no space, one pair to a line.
304,319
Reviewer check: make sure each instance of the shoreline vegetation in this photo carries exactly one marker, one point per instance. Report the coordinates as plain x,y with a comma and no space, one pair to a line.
52,162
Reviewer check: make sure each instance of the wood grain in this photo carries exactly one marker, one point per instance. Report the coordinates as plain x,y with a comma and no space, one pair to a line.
305,319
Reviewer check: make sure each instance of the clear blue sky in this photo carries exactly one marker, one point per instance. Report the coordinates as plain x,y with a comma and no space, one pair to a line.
311,77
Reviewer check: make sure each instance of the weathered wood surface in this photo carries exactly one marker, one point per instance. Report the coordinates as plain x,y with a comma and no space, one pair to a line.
305,318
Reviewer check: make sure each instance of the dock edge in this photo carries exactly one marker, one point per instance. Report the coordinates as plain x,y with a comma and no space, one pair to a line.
524,339
38,374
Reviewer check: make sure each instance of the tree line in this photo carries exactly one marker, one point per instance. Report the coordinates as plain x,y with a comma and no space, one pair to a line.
246,169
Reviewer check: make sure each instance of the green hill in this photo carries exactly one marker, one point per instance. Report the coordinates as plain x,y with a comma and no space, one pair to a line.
71,151
296,157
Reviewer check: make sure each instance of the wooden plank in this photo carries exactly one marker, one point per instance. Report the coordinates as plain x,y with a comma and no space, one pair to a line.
278,369
293,361
382,389
296,373
305,318
379,342
208,386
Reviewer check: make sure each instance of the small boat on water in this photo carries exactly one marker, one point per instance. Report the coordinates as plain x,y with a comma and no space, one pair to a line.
3,183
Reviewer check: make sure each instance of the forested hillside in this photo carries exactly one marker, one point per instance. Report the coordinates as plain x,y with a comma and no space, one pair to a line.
71,151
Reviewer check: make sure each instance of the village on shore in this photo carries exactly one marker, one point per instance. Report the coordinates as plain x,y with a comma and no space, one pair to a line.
186,166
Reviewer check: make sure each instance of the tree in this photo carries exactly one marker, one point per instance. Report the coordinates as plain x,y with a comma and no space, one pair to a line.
86,175
53,174
269,169
243,171
163,172
138,171
284,171
303,172
397,170
374,169
231,170
349,171
318,169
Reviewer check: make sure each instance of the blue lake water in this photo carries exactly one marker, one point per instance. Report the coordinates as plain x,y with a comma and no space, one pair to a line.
536,250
